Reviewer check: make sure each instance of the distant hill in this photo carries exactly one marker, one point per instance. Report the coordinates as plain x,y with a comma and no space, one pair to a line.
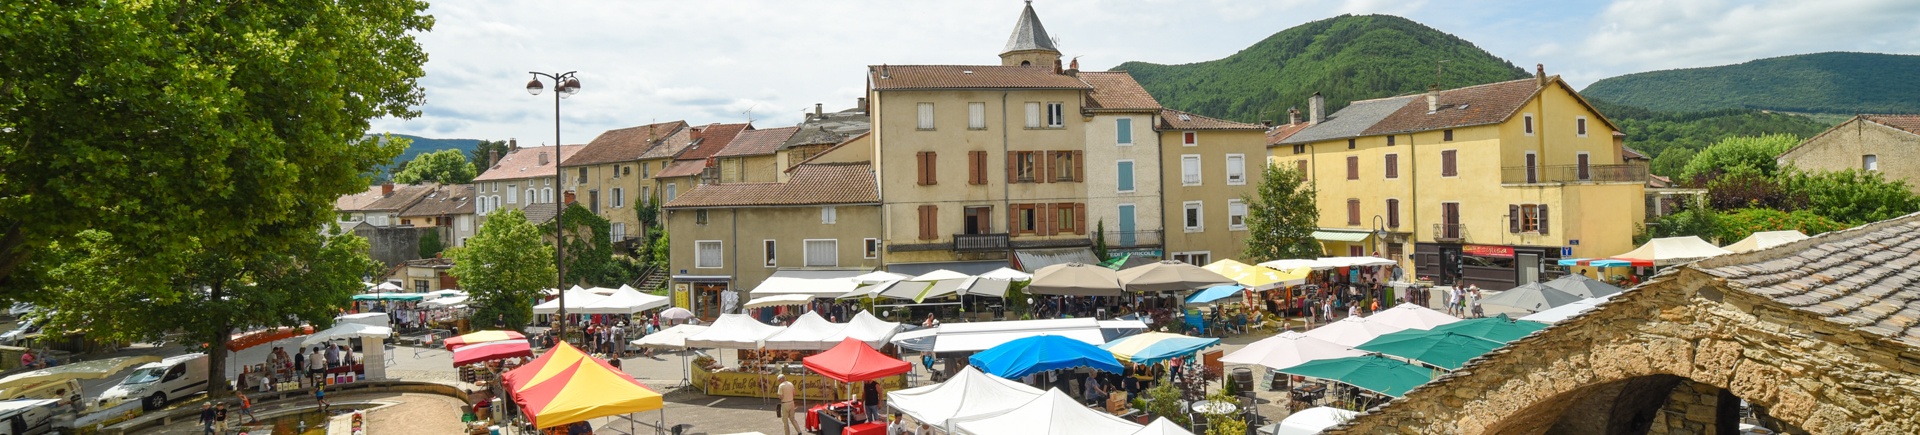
423,145
1345,58
1834,83
1670,139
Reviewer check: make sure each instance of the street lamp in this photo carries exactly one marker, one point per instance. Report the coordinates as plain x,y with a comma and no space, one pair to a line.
1379,234
564,85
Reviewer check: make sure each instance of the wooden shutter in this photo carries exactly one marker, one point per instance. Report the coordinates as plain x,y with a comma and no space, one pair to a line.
1303,167
1393,213
1080,218
1353,167
1044,169
922,219
976,167
933,168
1393,166
1543,218
1079,167
1448,167
1013,219
1044,219
1013,173
920,168
1513,218
1353,212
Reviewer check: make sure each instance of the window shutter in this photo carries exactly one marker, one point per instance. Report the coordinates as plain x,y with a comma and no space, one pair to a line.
1124,130
1013,219
1013,170
1393,166
982,166
1353,167
1302,166
1543,219
1393,213
1448,167
926,222
1045,220
1125,182
933,168
1079,166
1080,218
920,168
1513,218
1353,212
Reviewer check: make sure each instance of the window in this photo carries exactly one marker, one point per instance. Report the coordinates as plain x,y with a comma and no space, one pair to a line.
976,220
1393,213
1393,166
420,286
1033,115
926,167
926,116
546,195
822,253
1300,149
1066,166
1450,220
872,249
1870,162
1189,139
645,171
581,179
1353,212
828,215
1193,215
1527,123
618,231
929,222
769,253
1236,215
707,254
1021,166
1056,115
1236,169
1350,144
1580,166
513,194
1447,135
619,197
977,167
531,195
1200,258
977,116
1580,126
1026,219
1353,167
1301,165
646,194
699,217
671,189
1066,218
1123,129
1527,218
1356,251
1125,182
1190,170
1390,140
1533,168
1449,163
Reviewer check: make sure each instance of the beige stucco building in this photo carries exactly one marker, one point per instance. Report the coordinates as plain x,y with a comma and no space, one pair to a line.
751,158
1882,143
611,175
1211,166
522,179
1122,197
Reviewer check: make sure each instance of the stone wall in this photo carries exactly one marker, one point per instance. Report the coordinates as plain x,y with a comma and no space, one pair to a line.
1603,372
1696,408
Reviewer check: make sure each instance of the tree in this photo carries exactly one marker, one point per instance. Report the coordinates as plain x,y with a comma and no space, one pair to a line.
590,249
1100,240
1282,217
485,150
184,129
1698,219
430,244
220,291
1852,197
1672,162
504,267
1754,152
444,167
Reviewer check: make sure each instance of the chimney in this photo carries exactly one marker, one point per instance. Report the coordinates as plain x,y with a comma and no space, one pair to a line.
883,72
1267,123
1056,66
1540,73
1316,108
568,196
1433,101
493,158
861,103
816,110
1293,115
513,144
1075,65
543,157
386,189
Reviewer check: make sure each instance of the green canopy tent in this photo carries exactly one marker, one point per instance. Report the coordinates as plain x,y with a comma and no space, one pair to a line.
1374,373
402,297
1497,328
1445,350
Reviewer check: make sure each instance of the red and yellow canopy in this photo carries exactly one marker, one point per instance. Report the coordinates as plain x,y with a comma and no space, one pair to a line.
483,337
565,386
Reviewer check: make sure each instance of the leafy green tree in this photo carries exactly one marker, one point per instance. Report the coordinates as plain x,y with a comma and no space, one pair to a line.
1853,196
1672,162
1100,240
1754,152
590,249
1745,187
504,267
444,167
1739,224
221,291
188,127
1698,219
487,149
430,244
1281,217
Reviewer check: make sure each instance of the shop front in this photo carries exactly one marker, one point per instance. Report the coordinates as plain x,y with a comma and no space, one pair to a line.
706,296
1491,267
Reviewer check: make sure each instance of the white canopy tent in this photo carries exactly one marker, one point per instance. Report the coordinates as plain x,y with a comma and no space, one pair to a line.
369,319
867,328
1412,316
868,290
446,302
779,301
808,332
624,300
1352,331
969,337
733,331
988,287
577,299
1288,349
968,393
816,287
1310,421
940,275
1053,413
347,331
1325,263
1162,426
1766,239
1007,274
1568,311
1673,250
876,277
671,338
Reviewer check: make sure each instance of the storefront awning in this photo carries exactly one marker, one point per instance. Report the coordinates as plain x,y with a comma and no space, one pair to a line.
816,273
1341,236
1034,259
966,267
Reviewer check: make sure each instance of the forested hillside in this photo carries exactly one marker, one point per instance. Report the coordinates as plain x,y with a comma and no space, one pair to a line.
1345,58
1840,83
1672,139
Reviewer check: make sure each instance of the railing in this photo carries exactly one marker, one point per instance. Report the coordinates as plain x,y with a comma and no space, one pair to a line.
1132,239
1573,174
1449,232
980,242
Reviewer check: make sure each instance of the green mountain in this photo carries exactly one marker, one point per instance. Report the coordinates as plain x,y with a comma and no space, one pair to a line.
1345,58
422,145
1671,138
1837,83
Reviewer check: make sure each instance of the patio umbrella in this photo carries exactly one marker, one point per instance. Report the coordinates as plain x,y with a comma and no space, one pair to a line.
1007,274
1040,353
676,313
566,386
1412,316
1153,347
1257,277
1352,331
1374,373
1532,297
1215,293
1075,279
1582,286
1287,350
1169,275
1497,328
489,351
1446,350
482,337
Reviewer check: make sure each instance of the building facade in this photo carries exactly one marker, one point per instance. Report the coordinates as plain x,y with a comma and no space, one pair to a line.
522,179
1211,166
1123,201
614,171
1878,143
448,210
751,158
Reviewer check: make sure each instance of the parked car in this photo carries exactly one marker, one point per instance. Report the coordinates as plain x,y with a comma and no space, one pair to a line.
25,328
20,309
156,384
28,416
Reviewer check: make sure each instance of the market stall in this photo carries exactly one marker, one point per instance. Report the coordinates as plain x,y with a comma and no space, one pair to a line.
848,362
1052,413
371,342
1025,356
1412,316
1154,347
969,392
624,300
1352,331
1446,350
1497,328
565,386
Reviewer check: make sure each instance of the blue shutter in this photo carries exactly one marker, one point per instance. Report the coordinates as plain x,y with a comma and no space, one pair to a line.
1126,176
1125,127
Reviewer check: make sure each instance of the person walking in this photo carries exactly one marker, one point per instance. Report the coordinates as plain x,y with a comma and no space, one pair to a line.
220,419
870,398
246,407
320,396
206,417
786,408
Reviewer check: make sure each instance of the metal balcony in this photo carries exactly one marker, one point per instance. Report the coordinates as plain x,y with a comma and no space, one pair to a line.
1573,174
980,242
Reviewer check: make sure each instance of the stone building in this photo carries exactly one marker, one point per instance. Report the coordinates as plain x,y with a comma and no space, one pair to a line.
1883,143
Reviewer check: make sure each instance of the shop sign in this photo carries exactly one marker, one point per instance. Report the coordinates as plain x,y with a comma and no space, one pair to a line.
1488,251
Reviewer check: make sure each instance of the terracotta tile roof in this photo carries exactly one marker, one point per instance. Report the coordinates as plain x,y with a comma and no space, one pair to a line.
1866,279
404,195
758,142
812,184
905,77
1281,132
1116,90
525,163
710,139
1177,120
1628,153
357,201
1490,103
682,168
1909,123
1349,122
625,144
443,200
831,128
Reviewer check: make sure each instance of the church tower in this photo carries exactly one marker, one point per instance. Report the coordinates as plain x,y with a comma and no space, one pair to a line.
1029,44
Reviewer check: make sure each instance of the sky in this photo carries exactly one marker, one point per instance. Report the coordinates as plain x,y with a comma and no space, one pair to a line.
770,61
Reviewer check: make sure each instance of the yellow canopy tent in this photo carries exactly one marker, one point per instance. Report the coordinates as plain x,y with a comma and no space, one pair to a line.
566,386
1258,277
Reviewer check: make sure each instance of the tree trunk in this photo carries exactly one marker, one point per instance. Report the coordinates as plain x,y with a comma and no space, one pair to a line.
217,353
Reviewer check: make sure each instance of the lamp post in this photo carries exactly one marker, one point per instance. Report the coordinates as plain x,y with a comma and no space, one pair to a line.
564,85
1379,234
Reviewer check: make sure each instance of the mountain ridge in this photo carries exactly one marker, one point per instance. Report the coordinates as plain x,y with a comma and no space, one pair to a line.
1835,82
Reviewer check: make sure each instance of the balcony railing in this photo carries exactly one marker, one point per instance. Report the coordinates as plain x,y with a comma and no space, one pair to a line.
1132,239
1573,174
980,242
1449,232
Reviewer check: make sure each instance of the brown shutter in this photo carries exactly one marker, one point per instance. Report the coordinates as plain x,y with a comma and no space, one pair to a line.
1543,218
1353,212
986,226
1044,220
1353,167
920,159
1079,166
1393,166
1448,167
1013,219
1303,167
1393,213
933,168
1013,174
1513,218
1080,217
976,171
923,221
933,222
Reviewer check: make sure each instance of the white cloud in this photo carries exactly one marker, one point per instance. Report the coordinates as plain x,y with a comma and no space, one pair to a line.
1641,35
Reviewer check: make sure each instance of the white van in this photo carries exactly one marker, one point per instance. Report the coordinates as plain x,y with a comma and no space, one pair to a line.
155,384
27,416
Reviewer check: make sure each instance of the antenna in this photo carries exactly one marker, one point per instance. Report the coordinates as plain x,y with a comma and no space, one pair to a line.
749,113
1439,67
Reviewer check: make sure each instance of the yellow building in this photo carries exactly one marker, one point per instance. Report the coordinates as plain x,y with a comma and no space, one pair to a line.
610,176
1486,183
1210,166
684,172
751,158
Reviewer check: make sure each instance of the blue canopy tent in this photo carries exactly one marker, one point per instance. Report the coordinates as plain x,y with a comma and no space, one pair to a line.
1018,358
1215,293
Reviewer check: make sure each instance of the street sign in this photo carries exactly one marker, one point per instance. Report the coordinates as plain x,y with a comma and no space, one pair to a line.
1566,251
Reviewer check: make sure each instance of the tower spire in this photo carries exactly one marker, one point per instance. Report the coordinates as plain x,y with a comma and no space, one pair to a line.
1030,44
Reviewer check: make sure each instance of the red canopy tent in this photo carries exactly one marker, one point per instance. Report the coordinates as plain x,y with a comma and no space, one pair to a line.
489,351
853,361
565,386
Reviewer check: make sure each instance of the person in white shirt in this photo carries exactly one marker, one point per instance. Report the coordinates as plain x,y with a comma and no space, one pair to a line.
786,408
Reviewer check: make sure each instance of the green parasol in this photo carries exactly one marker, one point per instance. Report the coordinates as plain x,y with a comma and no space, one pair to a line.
1497,328
1446,350
1374,373
1115,262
